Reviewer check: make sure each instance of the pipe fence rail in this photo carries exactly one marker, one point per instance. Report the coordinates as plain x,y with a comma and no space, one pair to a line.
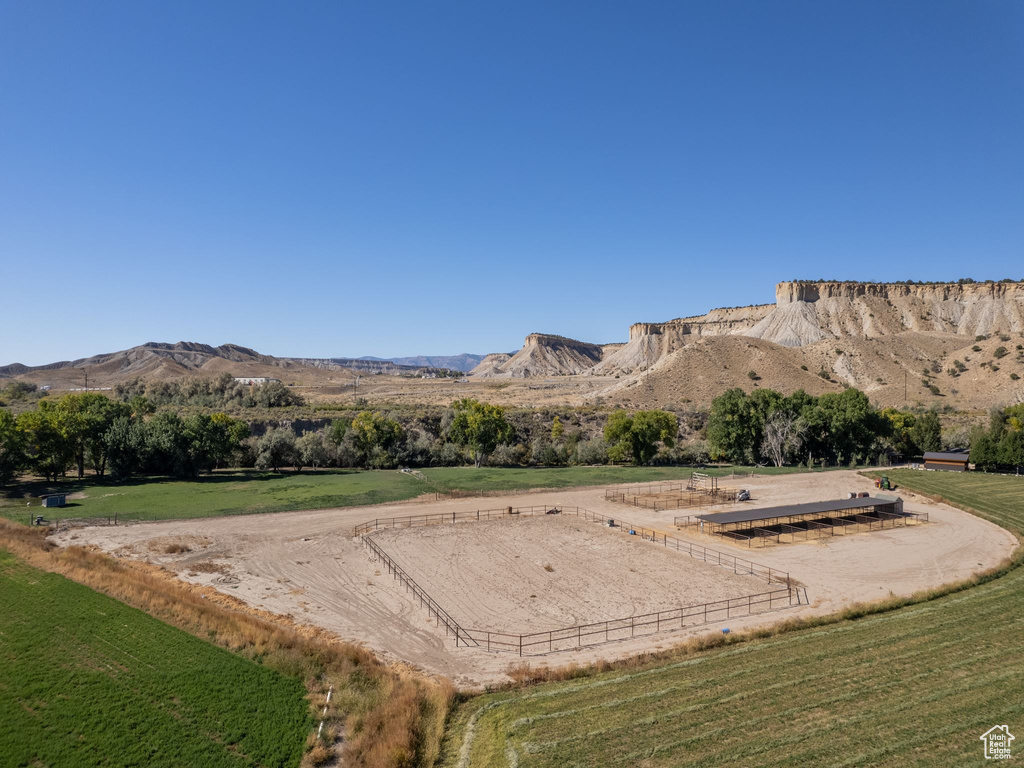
442,617
600,632
578,636
738,565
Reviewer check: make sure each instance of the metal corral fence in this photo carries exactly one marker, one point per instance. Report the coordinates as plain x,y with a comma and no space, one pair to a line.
61,523
645,489
597,633
443,619
532,643
684,499
699,491
697,551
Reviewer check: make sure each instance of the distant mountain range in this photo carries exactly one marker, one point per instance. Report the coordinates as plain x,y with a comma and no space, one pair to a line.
464,362
164,361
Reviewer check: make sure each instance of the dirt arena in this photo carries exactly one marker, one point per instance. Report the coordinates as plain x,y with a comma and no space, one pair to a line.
532,574
309,566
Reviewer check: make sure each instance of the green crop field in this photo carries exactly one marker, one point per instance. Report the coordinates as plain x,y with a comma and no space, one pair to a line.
86,680
233,492
916,686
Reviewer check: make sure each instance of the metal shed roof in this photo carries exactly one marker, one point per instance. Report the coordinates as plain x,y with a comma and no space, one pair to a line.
937,456
815,507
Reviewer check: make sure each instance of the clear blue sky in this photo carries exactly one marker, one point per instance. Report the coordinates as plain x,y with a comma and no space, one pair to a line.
350,178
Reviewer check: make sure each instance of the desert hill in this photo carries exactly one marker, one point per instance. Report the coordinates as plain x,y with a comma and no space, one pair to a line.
543,355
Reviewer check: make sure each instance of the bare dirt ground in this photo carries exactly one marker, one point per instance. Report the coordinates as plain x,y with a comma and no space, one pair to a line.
308,565
514,576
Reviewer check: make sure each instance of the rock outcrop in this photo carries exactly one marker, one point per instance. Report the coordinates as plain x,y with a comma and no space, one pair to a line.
803,313
543,355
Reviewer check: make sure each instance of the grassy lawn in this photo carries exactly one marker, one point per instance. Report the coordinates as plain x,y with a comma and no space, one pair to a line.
86,680
233,492
515,478
222,493
915,686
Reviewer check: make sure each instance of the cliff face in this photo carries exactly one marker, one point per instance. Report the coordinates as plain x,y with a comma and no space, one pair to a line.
808,312
543,355
803,313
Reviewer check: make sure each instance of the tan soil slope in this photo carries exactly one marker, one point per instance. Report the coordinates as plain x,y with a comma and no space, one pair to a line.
890,370
546,355
170,361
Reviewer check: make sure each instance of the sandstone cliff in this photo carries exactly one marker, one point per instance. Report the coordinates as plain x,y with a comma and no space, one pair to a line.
543,355
804,313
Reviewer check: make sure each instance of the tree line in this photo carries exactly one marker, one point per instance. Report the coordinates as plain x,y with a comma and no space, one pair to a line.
1000,446
835,428
127,436
91,431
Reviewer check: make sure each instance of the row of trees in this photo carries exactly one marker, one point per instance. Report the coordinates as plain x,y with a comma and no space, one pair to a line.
221,392
91,431
839,428
1001,445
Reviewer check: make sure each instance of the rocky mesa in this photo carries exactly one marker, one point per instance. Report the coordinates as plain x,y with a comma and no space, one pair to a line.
804,313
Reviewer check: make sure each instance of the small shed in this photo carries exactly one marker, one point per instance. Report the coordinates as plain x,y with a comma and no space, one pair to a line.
55,500
949,462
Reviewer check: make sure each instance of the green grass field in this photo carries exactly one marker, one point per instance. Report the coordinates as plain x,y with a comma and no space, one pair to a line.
223,493
246,492
915,686
515,478
88,681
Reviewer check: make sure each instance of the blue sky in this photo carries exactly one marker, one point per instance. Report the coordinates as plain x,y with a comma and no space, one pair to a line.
344,178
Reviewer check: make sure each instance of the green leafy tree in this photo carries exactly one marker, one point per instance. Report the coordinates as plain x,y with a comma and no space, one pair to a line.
276,448
898,431
926,432
166,449
12,448
481,427
312,449
125,447
557,429
638,436
48,450
378,438
732,429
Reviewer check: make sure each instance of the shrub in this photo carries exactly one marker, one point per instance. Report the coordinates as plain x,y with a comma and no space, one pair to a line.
592,452
1000,352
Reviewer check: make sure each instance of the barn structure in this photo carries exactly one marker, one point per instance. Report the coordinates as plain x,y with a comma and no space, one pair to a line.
793,522
949,462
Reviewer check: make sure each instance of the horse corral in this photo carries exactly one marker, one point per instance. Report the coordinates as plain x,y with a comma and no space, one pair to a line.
499,579
701,490
310,567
